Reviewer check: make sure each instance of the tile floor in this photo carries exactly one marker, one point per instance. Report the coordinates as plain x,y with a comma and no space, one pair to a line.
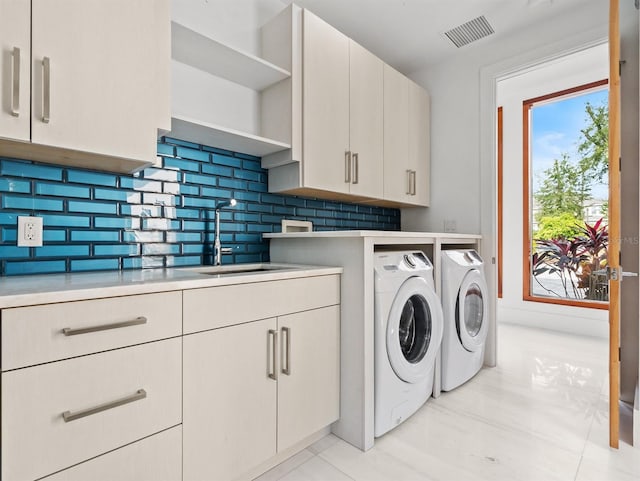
540,415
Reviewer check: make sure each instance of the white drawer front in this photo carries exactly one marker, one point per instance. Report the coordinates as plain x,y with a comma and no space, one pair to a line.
215,307
36,440
156,458
33,335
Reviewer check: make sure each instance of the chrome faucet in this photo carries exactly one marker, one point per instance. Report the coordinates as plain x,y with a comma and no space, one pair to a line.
218,250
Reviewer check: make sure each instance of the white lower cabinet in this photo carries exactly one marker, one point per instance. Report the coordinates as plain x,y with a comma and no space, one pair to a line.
59,414
201,384
229,401
257,389
156,458
309,377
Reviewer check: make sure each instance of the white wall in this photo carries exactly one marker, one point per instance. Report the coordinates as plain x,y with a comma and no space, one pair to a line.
454,86
580,68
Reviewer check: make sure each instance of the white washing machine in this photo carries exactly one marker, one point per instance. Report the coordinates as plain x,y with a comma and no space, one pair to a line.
408,333
466,323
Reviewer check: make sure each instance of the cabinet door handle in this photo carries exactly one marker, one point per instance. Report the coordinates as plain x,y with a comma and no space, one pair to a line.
272,371
46,90
356,174
413,182
286,369
67,331
68,416
347,167
15,83
408,191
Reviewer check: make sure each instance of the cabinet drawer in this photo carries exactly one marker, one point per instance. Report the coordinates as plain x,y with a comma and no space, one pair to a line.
36,439
156,458
215,307
34,335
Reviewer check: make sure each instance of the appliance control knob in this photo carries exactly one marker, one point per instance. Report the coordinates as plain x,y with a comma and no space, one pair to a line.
408,258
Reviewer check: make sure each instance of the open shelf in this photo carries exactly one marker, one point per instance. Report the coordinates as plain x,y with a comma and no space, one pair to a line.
224,138
216,58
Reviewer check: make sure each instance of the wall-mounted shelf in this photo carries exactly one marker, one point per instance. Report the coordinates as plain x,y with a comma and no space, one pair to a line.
216,58
224,138
218,95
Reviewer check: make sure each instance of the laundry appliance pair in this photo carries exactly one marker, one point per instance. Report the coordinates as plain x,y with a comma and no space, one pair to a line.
412,324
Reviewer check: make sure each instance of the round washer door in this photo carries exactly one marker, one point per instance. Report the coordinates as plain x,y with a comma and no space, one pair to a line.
414,330
472,311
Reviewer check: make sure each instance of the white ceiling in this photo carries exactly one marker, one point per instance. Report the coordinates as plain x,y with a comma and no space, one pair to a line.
409,34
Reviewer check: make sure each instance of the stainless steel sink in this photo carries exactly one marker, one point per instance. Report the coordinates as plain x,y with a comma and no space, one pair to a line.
236,269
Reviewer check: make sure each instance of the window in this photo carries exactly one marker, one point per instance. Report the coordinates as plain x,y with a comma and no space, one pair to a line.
565,156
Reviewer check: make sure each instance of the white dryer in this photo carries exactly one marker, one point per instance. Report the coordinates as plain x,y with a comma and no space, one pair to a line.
466,323
408,333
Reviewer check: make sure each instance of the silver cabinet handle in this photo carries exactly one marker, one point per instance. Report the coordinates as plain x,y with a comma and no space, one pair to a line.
15,85
46,90
413,182
347,167
408,192
67,331
356,174
68,416
273,370
287,360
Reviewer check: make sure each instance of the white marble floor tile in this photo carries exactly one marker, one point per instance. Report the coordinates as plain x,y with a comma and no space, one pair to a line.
284,468
373,465
316,469
324,443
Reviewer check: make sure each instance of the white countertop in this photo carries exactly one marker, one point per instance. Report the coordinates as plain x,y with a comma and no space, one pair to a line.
372,233
19,291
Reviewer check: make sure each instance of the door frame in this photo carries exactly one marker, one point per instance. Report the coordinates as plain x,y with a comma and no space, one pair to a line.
489,76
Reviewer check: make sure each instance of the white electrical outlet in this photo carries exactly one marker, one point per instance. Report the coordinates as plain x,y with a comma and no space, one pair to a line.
450,225
29,231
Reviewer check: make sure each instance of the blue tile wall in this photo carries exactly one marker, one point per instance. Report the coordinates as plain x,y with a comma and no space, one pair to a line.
160,217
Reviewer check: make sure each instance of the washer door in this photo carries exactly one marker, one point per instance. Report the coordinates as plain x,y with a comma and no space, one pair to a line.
414,330
472,311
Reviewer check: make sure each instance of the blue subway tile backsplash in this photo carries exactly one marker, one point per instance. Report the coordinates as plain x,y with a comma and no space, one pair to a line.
160,217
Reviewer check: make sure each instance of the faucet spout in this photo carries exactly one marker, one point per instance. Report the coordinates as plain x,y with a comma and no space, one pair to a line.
218,250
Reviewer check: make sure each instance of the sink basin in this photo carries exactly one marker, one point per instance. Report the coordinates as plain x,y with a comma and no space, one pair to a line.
236,269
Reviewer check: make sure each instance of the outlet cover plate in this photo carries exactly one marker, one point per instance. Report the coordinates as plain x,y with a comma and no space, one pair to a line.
29,231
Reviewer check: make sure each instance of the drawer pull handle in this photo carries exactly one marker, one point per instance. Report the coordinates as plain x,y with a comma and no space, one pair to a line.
356,168
67,331
69,416
347,167
15,85
46,93
273,369
286,369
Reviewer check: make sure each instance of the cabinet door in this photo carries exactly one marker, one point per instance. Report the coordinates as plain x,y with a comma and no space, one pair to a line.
229,401
325,106
309,382
158,457
396,136
98,92
366,121
15,48
419,145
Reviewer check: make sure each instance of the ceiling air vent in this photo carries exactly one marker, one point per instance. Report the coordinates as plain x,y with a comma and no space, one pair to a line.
470,32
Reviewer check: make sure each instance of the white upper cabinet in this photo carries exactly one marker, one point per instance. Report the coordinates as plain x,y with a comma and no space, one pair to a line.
419,145
397,181
99,82
355,142
406,140
365,121
325,106
15,45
